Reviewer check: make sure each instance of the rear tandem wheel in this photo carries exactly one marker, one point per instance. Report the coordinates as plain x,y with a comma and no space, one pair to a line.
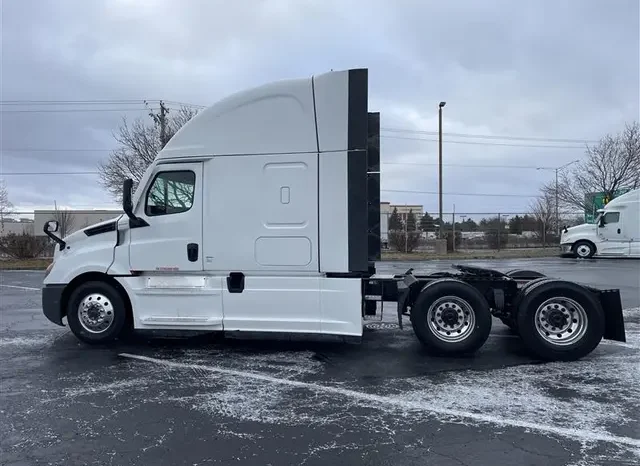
451,317
559,320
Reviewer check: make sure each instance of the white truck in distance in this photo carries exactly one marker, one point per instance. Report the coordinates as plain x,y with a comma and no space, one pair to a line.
615,233
262,215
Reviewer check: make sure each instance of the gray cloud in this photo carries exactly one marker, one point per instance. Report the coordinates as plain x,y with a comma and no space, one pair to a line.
544,69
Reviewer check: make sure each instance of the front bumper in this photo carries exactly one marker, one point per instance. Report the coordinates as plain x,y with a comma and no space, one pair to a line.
566,249
52,303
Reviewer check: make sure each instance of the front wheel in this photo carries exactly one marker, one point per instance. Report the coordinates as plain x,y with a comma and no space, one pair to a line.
96,312
451,317
560,321
584,249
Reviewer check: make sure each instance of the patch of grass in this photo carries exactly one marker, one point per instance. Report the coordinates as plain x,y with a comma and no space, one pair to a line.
478,254
25,264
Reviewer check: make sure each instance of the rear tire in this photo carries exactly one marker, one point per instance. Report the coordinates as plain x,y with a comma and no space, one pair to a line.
584,249
451,317
560,321
96,312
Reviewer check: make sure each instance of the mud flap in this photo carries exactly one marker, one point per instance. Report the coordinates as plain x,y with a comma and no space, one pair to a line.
409,280
402,304
614,320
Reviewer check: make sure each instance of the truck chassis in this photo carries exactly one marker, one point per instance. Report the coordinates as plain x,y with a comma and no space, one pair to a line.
451,312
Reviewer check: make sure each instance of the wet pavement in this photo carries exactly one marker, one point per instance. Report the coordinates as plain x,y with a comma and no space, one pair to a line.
203,400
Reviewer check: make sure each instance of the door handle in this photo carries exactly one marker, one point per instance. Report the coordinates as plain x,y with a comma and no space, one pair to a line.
192,252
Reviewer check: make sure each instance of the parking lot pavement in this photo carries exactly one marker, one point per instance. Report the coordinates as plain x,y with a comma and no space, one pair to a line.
383,402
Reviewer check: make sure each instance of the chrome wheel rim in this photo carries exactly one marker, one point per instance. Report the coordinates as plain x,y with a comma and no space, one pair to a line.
451,319
96,313
561,321
583,250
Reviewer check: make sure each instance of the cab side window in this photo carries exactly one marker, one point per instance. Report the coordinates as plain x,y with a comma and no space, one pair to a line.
611,217
171,192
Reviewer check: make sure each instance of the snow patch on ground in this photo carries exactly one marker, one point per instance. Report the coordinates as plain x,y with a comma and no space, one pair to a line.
557,400
25,341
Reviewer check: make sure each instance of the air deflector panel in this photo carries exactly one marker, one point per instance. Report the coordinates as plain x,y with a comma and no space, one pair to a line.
357,170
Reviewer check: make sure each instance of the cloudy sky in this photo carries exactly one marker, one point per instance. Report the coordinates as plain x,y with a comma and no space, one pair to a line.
509,70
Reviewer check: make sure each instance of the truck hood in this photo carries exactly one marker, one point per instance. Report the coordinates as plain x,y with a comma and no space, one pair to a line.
110,225
572,234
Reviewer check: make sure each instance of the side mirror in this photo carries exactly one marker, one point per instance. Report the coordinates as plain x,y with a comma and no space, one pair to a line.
127,205
51,226
601,223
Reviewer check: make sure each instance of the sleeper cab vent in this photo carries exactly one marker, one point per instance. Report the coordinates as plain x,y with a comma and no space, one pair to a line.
107,227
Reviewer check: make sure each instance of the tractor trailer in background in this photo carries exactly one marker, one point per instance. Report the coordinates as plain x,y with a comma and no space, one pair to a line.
262,216
615,232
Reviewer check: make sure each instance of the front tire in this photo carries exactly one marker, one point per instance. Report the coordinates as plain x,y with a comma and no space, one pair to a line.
560,321
96,312
451,317
584,249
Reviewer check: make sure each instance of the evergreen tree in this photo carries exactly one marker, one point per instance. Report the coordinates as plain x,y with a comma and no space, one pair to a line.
395,222
515,225
426,222
412,221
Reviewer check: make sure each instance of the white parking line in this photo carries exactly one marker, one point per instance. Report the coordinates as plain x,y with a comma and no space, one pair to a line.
28,288
404,405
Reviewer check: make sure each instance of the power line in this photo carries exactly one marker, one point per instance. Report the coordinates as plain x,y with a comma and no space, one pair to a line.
458,194
54,150
461,165
523,167
82,110
76,102
488,136
94,102
46,173
382,136
446,141
78,110
185,104
389,129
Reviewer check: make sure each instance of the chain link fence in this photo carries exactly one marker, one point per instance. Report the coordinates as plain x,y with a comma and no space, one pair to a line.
417,232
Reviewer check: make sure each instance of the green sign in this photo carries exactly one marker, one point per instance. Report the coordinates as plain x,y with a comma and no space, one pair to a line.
596,201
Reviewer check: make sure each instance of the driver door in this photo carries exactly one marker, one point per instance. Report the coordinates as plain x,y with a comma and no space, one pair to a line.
610,233
172,206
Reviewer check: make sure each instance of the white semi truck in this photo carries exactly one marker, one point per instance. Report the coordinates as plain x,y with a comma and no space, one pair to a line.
261,215
615,233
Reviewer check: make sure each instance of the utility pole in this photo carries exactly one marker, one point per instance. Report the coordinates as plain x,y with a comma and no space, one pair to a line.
453,227
442,104
557,169
163,125
557,215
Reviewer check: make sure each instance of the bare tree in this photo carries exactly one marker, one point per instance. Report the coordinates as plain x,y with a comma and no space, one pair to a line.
66,221
543,212
139,143
611,164
6,207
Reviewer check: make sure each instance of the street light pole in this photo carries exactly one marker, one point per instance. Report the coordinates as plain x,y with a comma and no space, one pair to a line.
442,104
